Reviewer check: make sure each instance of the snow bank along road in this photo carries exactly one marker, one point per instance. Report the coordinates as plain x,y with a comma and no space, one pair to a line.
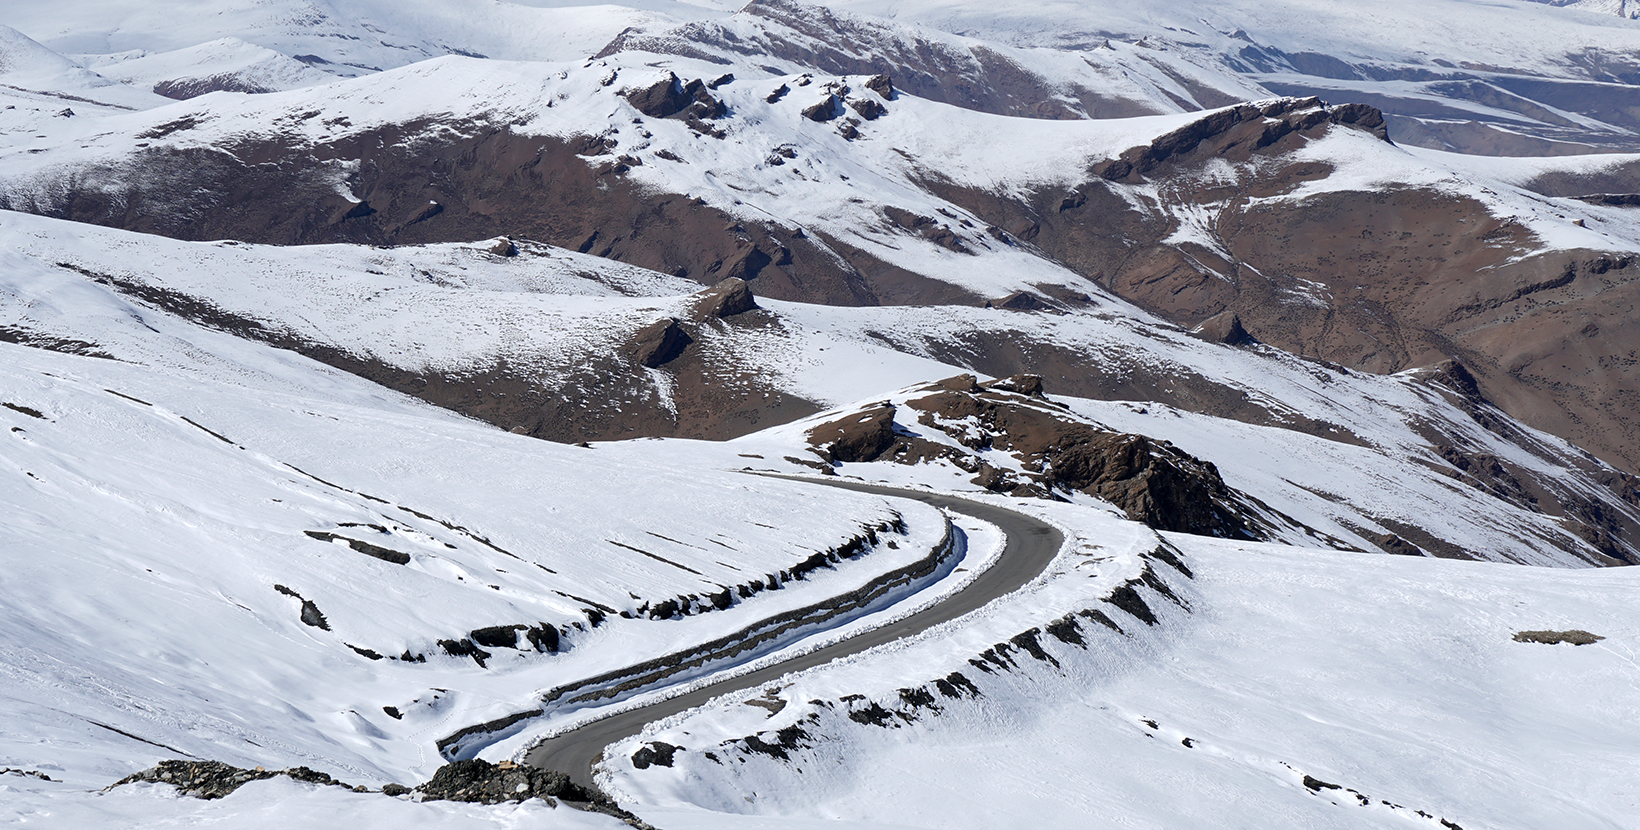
1031,545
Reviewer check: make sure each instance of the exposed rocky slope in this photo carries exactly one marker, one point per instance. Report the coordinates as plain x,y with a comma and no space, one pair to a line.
1151,481
1379,280
739,359
1006,436
1301,218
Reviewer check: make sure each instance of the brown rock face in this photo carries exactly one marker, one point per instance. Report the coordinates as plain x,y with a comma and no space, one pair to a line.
730,297
1237,132
1152,481
658,343
663,99
1380,281
858,436
1224,328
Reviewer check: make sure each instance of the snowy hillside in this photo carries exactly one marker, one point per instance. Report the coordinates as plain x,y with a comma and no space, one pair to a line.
226,65
768,414
1483,77
37,84
530,326
1250,685
348,37
847,190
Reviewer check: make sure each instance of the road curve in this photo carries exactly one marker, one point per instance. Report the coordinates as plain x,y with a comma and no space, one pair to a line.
1031,545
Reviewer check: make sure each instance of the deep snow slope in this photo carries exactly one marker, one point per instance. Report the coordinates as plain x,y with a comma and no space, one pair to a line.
1179,681
347,37
37,83
225,65
191,546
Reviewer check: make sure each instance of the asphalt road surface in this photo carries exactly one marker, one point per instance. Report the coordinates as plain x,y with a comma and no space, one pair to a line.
1031,545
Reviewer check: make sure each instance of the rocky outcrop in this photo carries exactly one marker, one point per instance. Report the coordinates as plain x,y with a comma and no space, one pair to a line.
214,779
726,299
1390,543
1224,328
869,108
658,343
1018,301
1236,132
477,781
929,228
481,782
472,781
883,85
1151,480
540,638
310,614
858,436
662,99
826,109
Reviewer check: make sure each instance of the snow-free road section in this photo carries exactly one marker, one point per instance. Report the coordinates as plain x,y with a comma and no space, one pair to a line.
1031,545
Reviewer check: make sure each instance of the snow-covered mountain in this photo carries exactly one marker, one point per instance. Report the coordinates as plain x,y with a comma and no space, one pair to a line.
787,181
226,65
387,385
1516,77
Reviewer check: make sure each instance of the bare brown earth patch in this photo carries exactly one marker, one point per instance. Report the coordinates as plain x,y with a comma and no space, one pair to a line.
479,181
1380,281
1576,637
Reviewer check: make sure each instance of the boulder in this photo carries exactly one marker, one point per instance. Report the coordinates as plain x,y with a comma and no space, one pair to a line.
1018,301
882,85
729,297
662,99
658,343
479,781
857,436
869,108
1225,328
827,109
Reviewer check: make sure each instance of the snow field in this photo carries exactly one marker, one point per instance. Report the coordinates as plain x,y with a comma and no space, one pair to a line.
1396,678
144,551
275,802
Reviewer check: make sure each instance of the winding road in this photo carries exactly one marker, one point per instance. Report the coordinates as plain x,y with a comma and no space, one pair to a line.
1031,545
